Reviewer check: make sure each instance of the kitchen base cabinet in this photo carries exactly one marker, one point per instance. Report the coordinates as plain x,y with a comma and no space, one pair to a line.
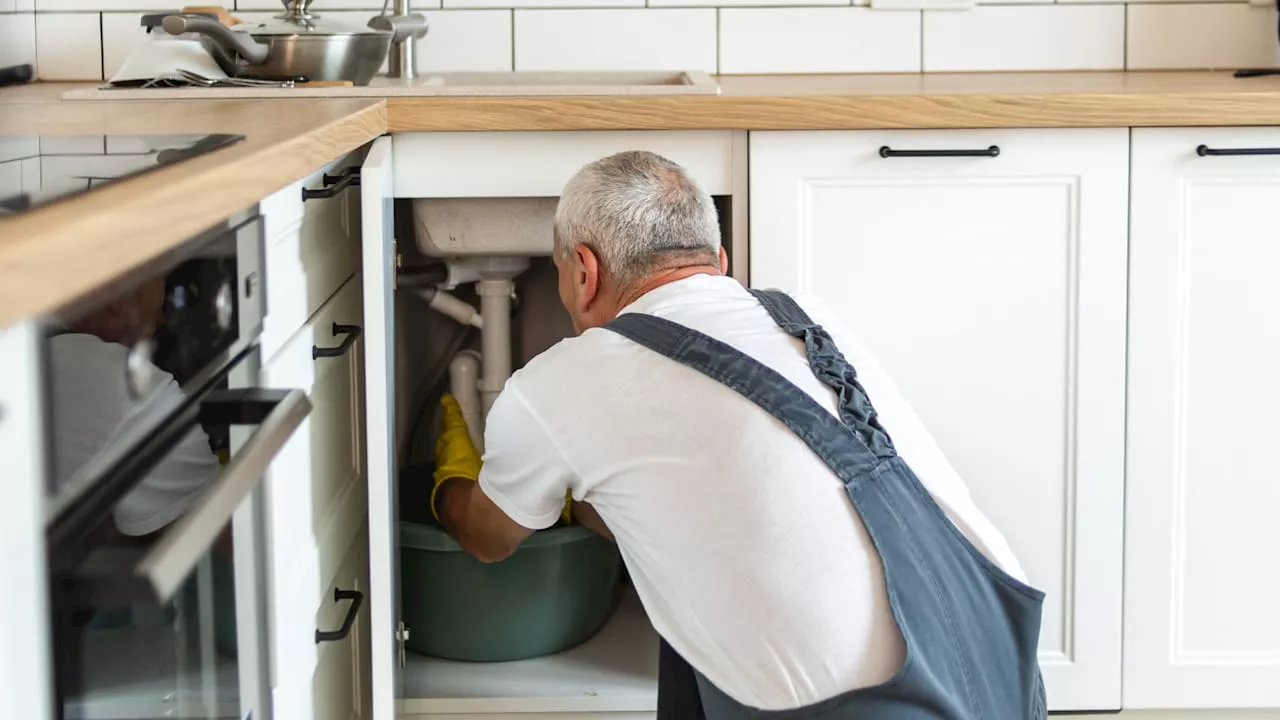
316,502
25,657
991,285
1202,550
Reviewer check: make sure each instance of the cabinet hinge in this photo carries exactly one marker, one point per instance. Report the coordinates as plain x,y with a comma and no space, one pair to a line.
398,263
402,635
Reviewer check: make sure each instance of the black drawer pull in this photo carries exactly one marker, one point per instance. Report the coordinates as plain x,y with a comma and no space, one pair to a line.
344,172
351,333
357,599
340,183
888,152
1205,151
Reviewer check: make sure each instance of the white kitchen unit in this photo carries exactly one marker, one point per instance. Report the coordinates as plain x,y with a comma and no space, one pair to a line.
613,675
1202,547
991,284
24,641
316,487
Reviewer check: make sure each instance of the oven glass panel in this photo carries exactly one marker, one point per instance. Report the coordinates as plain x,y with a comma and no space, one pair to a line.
121,653
118,369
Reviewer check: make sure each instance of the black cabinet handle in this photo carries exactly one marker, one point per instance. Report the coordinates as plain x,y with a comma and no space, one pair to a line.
339,183
357,599
1205,151
888,152
351,333
344,172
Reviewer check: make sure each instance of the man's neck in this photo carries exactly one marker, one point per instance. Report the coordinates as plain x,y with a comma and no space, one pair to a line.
664,277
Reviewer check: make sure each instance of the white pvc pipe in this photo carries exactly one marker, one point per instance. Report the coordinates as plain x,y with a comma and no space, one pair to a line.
495,338
446,304
464,384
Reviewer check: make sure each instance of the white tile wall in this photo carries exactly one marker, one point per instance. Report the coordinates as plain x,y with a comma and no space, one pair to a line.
467,40
632,39
17,39
120,33
69,46
797,40
80,39
1202,36
1007,37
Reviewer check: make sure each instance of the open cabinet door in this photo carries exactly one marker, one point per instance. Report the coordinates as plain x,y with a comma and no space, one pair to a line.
378,249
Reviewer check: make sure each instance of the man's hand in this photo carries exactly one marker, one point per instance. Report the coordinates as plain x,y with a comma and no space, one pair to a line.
456,457
466,513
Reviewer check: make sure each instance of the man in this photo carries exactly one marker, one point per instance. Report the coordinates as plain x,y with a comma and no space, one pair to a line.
768,513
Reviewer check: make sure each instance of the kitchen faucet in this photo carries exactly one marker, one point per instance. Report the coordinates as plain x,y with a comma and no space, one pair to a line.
406,27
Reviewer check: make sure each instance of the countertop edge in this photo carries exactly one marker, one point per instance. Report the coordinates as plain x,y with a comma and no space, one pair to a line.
835,111
46,261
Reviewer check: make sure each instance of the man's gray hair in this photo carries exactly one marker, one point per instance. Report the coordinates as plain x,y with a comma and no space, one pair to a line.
638,212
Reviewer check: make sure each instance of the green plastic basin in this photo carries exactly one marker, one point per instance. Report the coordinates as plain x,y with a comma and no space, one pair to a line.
555,592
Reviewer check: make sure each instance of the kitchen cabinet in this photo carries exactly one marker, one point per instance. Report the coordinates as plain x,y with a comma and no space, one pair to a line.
316,486
24,641
991,284
1202,545
378,250
615,673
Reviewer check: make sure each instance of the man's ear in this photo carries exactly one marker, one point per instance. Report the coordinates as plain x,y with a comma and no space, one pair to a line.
724,261
586,275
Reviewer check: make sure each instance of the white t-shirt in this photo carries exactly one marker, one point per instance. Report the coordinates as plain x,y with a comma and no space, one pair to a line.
92,408
742,544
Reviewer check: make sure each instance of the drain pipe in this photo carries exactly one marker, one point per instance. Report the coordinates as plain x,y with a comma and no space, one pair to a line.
495,337
446,304
464,384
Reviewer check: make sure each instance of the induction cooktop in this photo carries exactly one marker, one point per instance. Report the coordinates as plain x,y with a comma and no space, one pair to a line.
37,170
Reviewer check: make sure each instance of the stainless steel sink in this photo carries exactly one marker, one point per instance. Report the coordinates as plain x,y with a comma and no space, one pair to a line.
551,83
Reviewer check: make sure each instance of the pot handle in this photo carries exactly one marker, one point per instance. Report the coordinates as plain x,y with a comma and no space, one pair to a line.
254,52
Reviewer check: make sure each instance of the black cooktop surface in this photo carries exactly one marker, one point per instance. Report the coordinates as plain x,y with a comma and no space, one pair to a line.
36,170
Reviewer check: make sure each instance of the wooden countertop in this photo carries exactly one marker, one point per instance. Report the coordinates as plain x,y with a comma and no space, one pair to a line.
54,254
822,102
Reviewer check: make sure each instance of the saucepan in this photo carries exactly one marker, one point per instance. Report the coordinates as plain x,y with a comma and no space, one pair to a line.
294,44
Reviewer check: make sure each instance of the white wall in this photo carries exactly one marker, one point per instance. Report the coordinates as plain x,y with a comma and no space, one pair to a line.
88,39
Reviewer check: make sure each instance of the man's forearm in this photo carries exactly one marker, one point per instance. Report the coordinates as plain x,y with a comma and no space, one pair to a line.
480,528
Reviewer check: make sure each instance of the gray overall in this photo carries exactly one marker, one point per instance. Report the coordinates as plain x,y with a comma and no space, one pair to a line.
970,630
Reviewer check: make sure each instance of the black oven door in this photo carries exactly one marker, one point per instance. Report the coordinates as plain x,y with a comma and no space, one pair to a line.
172,624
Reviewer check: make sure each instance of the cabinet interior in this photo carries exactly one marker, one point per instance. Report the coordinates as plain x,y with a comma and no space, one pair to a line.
615,670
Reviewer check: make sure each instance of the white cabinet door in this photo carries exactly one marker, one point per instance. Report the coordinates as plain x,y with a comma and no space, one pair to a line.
993,290
316,503
378,241
1202,550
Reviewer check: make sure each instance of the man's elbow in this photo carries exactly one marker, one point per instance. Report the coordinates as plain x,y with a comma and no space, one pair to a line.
487,550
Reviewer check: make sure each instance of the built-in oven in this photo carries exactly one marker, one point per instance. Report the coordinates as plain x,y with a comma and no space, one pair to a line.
158,436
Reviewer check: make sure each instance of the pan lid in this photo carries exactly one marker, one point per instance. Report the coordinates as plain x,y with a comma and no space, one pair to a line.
297,19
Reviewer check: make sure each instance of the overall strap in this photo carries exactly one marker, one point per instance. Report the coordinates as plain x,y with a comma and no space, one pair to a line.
832,441
830,366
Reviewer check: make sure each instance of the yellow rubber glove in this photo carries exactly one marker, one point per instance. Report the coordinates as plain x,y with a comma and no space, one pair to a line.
457,459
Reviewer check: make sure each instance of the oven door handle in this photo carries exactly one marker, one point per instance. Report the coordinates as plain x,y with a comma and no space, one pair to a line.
169,562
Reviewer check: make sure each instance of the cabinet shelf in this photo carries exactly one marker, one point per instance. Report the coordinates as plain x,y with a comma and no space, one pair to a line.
614,672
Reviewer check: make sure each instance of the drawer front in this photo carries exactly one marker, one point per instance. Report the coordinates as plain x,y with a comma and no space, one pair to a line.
341,685
324,455
328,680
312,248
537,164
285,207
